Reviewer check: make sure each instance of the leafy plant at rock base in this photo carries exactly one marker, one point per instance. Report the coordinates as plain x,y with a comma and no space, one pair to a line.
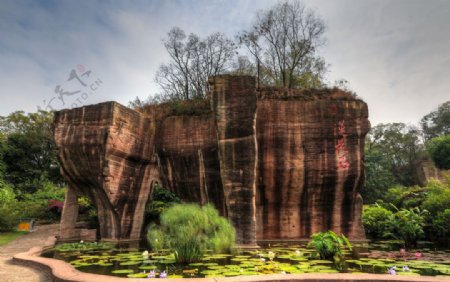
190,230
156,238
161,199
376,220
329,245
407,225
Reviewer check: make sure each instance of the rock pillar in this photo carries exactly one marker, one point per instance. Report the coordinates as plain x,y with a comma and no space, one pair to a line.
69,215
234,106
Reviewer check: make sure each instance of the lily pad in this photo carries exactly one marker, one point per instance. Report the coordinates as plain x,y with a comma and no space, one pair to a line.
138,275
130,262
122,271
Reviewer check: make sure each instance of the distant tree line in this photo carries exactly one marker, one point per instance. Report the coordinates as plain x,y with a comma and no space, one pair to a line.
394,150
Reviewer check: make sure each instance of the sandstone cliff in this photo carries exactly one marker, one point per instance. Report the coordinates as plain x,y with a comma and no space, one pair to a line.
281,164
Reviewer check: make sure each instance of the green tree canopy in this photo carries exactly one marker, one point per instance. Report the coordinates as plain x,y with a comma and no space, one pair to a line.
439,150
437,123
29,151
392,150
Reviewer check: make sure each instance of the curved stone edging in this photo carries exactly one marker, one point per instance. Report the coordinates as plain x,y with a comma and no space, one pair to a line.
64,272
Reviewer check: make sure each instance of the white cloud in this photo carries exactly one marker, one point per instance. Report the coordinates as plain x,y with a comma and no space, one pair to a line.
394,53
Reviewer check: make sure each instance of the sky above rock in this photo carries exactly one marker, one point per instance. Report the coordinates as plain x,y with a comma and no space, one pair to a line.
395,54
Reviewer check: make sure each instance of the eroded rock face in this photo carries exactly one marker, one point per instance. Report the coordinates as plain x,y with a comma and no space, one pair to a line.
281,164
234,105
106,152
310,167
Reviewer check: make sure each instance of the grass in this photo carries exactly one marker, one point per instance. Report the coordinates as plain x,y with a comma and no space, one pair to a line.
6,237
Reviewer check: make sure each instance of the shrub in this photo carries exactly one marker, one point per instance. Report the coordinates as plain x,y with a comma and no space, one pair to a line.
407,225
9,217
438,197
39,204
329,245
87,212
439,149
376,221
441,225
161,199
189,230
8,207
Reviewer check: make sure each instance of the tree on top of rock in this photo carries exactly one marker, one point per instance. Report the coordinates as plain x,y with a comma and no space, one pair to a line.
192,61
283,43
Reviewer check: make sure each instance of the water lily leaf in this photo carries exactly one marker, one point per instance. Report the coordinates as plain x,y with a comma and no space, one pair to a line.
122,271
231,273
147,267
138,275
132,262
197,264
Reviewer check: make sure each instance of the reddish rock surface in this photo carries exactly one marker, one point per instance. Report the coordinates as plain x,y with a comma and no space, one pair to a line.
310,167
106,151
234,105
281,164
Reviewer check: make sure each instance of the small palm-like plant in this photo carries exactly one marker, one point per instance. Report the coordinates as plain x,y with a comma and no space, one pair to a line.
329,245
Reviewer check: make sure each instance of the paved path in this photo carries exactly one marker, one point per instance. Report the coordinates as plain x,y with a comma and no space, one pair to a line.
10,272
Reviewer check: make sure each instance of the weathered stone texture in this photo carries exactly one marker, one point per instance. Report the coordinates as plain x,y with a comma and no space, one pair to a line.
280,163
106,152
189,161
310,167
234,104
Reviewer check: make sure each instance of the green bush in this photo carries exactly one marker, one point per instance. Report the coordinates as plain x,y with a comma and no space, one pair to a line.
439,150
37,205
376,221
408,225
438,197
441,226
190,230
161,199
8,207
87,212
156,238
329,245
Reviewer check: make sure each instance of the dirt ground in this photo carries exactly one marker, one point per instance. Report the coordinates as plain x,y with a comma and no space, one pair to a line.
11,272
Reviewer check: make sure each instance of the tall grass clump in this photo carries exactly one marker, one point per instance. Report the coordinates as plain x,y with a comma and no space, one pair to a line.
190,230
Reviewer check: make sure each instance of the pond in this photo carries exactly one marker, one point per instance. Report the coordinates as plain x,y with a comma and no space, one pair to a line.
381,257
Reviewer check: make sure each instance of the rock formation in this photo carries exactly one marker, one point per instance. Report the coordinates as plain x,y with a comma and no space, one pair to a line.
281,164
106,152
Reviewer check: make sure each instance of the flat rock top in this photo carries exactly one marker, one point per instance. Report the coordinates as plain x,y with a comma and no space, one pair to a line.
10,272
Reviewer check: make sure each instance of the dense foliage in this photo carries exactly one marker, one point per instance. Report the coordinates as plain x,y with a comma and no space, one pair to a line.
407,225
437,123
439,150
190,230
160,200
375,221
410,214
30,183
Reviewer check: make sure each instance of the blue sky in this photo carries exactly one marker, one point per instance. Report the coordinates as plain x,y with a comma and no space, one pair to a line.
395,54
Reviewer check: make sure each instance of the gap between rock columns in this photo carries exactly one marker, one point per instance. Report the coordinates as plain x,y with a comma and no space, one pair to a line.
233,101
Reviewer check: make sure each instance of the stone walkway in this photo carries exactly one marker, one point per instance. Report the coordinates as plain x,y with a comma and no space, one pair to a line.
10,272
